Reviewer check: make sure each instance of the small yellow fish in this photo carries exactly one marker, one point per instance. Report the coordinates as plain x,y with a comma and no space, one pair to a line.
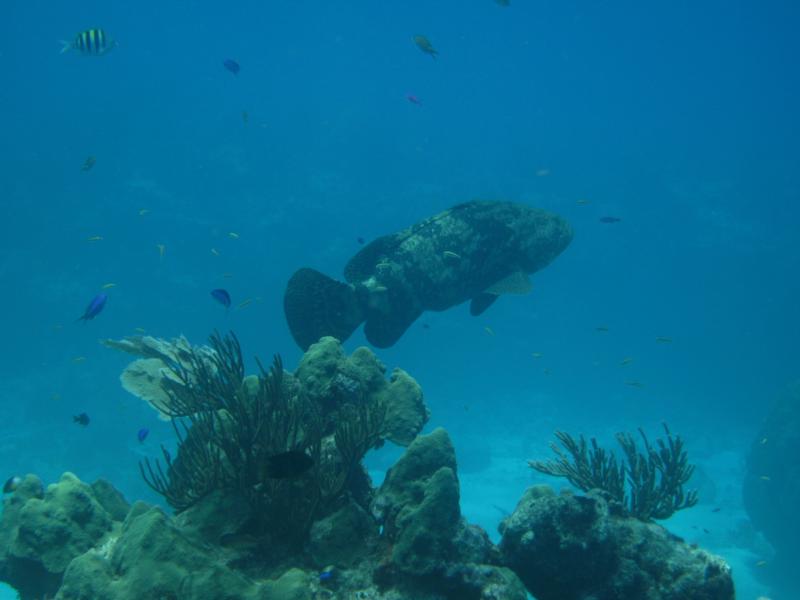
79,359
626,361
451,254
162,249
664,340
537,355
108,286
761,563
94,238
143,211
489,330
763,441
140,330
233,235
765,478
227,275
543,172
583,202
601,328
215,252
244,303
634,384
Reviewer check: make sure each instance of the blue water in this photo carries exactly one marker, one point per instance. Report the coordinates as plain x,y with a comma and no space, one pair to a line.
679,119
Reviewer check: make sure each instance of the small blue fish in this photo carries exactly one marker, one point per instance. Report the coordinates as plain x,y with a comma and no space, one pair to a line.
222,296
232,66
95,307
142,434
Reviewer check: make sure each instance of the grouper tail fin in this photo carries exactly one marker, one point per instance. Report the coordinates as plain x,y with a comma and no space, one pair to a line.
316,305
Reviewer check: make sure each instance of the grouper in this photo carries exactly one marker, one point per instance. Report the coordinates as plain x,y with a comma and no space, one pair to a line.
475,251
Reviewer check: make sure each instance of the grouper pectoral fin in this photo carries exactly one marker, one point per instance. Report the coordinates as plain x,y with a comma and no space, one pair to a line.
481,302
516,283
317,306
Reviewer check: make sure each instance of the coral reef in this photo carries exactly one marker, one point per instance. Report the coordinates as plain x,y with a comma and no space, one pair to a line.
230,427
310,525
568,547
655,477
772,486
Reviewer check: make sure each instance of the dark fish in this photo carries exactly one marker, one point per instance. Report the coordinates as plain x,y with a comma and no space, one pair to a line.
360,240
288,464
88,163
95,307
231,65
245,117
425,45
91,41
426,326
81,419
413,99
12,484
715,510
391,281
610,219
142,434
503,3
222,296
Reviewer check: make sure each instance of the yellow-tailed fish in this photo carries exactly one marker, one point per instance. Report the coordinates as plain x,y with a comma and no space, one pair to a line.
95,238
143,211
215,252
108,286
162,249
583,202
543,172
634,384
244,303
451,254
537,355
765,478
55,396
489,330
664,340
79,359
763,441
425,45
140,330
233,235
761,563
90,42
626,361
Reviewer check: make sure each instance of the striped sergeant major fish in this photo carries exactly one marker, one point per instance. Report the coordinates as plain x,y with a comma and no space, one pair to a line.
91,41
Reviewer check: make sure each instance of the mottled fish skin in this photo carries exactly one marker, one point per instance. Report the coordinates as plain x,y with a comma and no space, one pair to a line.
491,240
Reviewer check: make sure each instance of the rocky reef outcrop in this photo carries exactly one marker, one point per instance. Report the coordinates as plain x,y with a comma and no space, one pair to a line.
272,503
570,547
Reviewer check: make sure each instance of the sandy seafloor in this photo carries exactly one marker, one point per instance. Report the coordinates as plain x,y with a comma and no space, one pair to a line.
491,485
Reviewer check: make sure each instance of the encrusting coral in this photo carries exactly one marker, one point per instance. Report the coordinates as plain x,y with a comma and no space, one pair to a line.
655,477
231,427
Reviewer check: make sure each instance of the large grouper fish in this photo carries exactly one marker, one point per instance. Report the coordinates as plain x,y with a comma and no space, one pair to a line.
474,251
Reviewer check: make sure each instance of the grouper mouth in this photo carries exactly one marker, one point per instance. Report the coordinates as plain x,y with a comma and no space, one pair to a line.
317,306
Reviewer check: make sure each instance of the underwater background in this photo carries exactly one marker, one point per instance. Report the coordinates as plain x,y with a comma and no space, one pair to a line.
680,120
